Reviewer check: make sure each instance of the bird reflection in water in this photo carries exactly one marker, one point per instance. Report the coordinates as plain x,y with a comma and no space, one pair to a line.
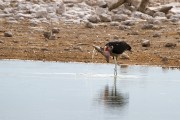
112,97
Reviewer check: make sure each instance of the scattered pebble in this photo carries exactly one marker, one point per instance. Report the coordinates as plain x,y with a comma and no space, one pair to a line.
1,41
55,30
134,33
129,22
159,14
44,49
114,23
178,32
156,34
78,48
124,27
172,45
94,19
164,59
105,18
147,26
89,25
8,34
120,17
116,37
47,34
145,43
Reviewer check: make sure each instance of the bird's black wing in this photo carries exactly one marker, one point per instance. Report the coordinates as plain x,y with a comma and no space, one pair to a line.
118,47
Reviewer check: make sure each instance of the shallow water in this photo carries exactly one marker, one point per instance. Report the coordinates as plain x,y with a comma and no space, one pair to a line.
78,91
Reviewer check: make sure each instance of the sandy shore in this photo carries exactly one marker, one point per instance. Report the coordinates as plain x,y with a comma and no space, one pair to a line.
74,43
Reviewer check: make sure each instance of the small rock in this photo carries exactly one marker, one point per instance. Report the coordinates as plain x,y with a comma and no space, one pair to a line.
159,14
67,49
42,13
34,23
21,15
124,11
105,5
72,1
141,15
60,8
78,48
44,49
164,59
147,26
119,18
2,5
134,33
154,21
114,23
102,3
8,34
145,43
172,45
156,27
15,41
1,41
116,37
105,18
150,12
124,27
89,25
49,35
70,5
169,15
5,15
176,16
156,35
178,32
128,22
94,19
100,11
55,30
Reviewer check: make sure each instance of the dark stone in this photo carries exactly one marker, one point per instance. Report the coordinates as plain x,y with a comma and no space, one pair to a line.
89,25
145,43
170,45
147,26
7,34
156,35
55,30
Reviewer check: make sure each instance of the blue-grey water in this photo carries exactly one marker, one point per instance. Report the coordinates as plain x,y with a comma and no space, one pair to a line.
32,90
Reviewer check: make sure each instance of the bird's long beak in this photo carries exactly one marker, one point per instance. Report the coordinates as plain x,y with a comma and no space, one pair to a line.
99,49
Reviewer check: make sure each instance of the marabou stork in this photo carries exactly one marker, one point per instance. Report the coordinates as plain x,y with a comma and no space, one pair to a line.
114,49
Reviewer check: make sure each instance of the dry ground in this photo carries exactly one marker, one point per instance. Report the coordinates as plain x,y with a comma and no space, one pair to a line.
74,43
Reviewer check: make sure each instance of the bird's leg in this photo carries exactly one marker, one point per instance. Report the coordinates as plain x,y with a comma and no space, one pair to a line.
115,69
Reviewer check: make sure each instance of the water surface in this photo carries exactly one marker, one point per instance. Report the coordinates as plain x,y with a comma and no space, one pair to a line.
77,91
